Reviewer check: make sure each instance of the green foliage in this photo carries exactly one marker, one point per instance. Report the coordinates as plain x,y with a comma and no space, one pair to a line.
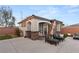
3,37
6,17
18,32
65,35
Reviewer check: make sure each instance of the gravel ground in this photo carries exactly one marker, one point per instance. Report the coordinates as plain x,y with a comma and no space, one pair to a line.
25,45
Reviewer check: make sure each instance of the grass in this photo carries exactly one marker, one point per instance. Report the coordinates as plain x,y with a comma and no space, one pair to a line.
3,37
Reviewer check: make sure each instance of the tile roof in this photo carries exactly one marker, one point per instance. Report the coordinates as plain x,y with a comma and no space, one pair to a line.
72,26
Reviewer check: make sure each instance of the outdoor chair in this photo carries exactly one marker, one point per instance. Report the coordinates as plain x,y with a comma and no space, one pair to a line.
58,37
51,40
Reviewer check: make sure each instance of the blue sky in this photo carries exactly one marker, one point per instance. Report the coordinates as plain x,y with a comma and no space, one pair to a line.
69,14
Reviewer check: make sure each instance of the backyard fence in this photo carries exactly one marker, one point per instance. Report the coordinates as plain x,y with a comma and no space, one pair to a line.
9,31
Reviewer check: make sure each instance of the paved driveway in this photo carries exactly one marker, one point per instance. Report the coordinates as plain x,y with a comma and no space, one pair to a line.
25,45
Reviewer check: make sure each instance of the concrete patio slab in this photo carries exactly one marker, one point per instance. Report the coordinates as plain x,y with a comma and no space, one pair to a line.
26,45
6,47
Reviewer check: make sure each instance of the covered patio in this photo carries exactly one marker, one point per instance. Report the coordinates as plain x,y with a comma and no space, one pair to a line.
44,28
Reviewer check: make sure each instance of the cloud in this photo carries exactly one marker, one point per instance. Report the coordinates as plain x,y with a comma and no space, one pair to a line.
48,12
35,8
71,6
73,10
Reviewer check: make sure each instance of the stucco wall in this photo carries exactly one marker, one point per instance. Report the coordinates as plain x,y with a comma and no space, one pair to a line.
58,27
23,29
35,24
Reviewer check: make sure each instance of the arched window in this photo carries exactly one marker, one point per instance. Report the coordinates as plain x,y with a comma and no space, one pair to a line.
29,26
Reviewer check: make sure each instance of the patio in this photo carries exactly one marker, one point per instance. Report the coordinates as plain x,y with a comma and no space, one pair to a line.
25,45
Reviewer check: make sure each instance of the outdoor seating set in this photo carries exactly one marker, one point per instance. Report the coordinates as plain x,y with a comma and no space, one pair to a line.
54,39
76,36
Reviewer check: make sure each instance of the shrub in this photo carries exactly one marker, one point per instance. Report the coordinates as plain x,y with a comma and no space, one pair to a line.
65,35
2,37
18,32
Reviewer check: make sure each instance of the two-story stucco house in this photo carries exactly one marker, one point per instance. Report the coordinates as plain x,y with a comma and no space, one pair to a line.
35,26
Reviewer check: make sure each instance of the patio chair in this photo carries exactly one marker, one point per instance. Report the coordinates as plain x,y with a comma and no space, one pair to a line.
51,40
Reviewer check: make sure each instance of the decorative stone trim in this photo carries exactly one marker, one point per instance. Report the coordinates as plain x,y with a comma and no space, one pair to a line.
28,34
34,35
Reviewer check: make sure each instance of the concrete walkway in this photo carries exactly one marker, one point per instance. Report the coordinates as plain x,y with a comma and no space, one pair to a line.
25,45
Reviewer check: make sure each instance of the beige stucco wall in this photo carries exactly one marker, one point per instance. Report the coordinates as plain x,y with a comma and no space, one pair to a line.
23,29
58,27
35,24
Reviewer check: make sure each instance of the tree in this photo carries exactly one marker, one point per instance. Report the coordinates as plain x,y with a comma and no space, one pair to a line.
6,17
12,22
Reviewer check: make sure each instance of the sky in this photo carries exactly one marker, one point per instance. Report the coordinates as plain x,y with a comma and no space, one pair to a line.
68,14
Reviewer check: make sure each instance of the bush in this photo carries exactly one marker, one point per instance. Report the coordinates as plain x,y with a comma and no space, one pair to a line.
65,35
18,32
2,37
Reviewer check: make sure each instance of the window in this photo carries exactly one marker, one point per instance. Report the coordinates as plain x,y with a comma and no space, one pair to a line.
29,26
